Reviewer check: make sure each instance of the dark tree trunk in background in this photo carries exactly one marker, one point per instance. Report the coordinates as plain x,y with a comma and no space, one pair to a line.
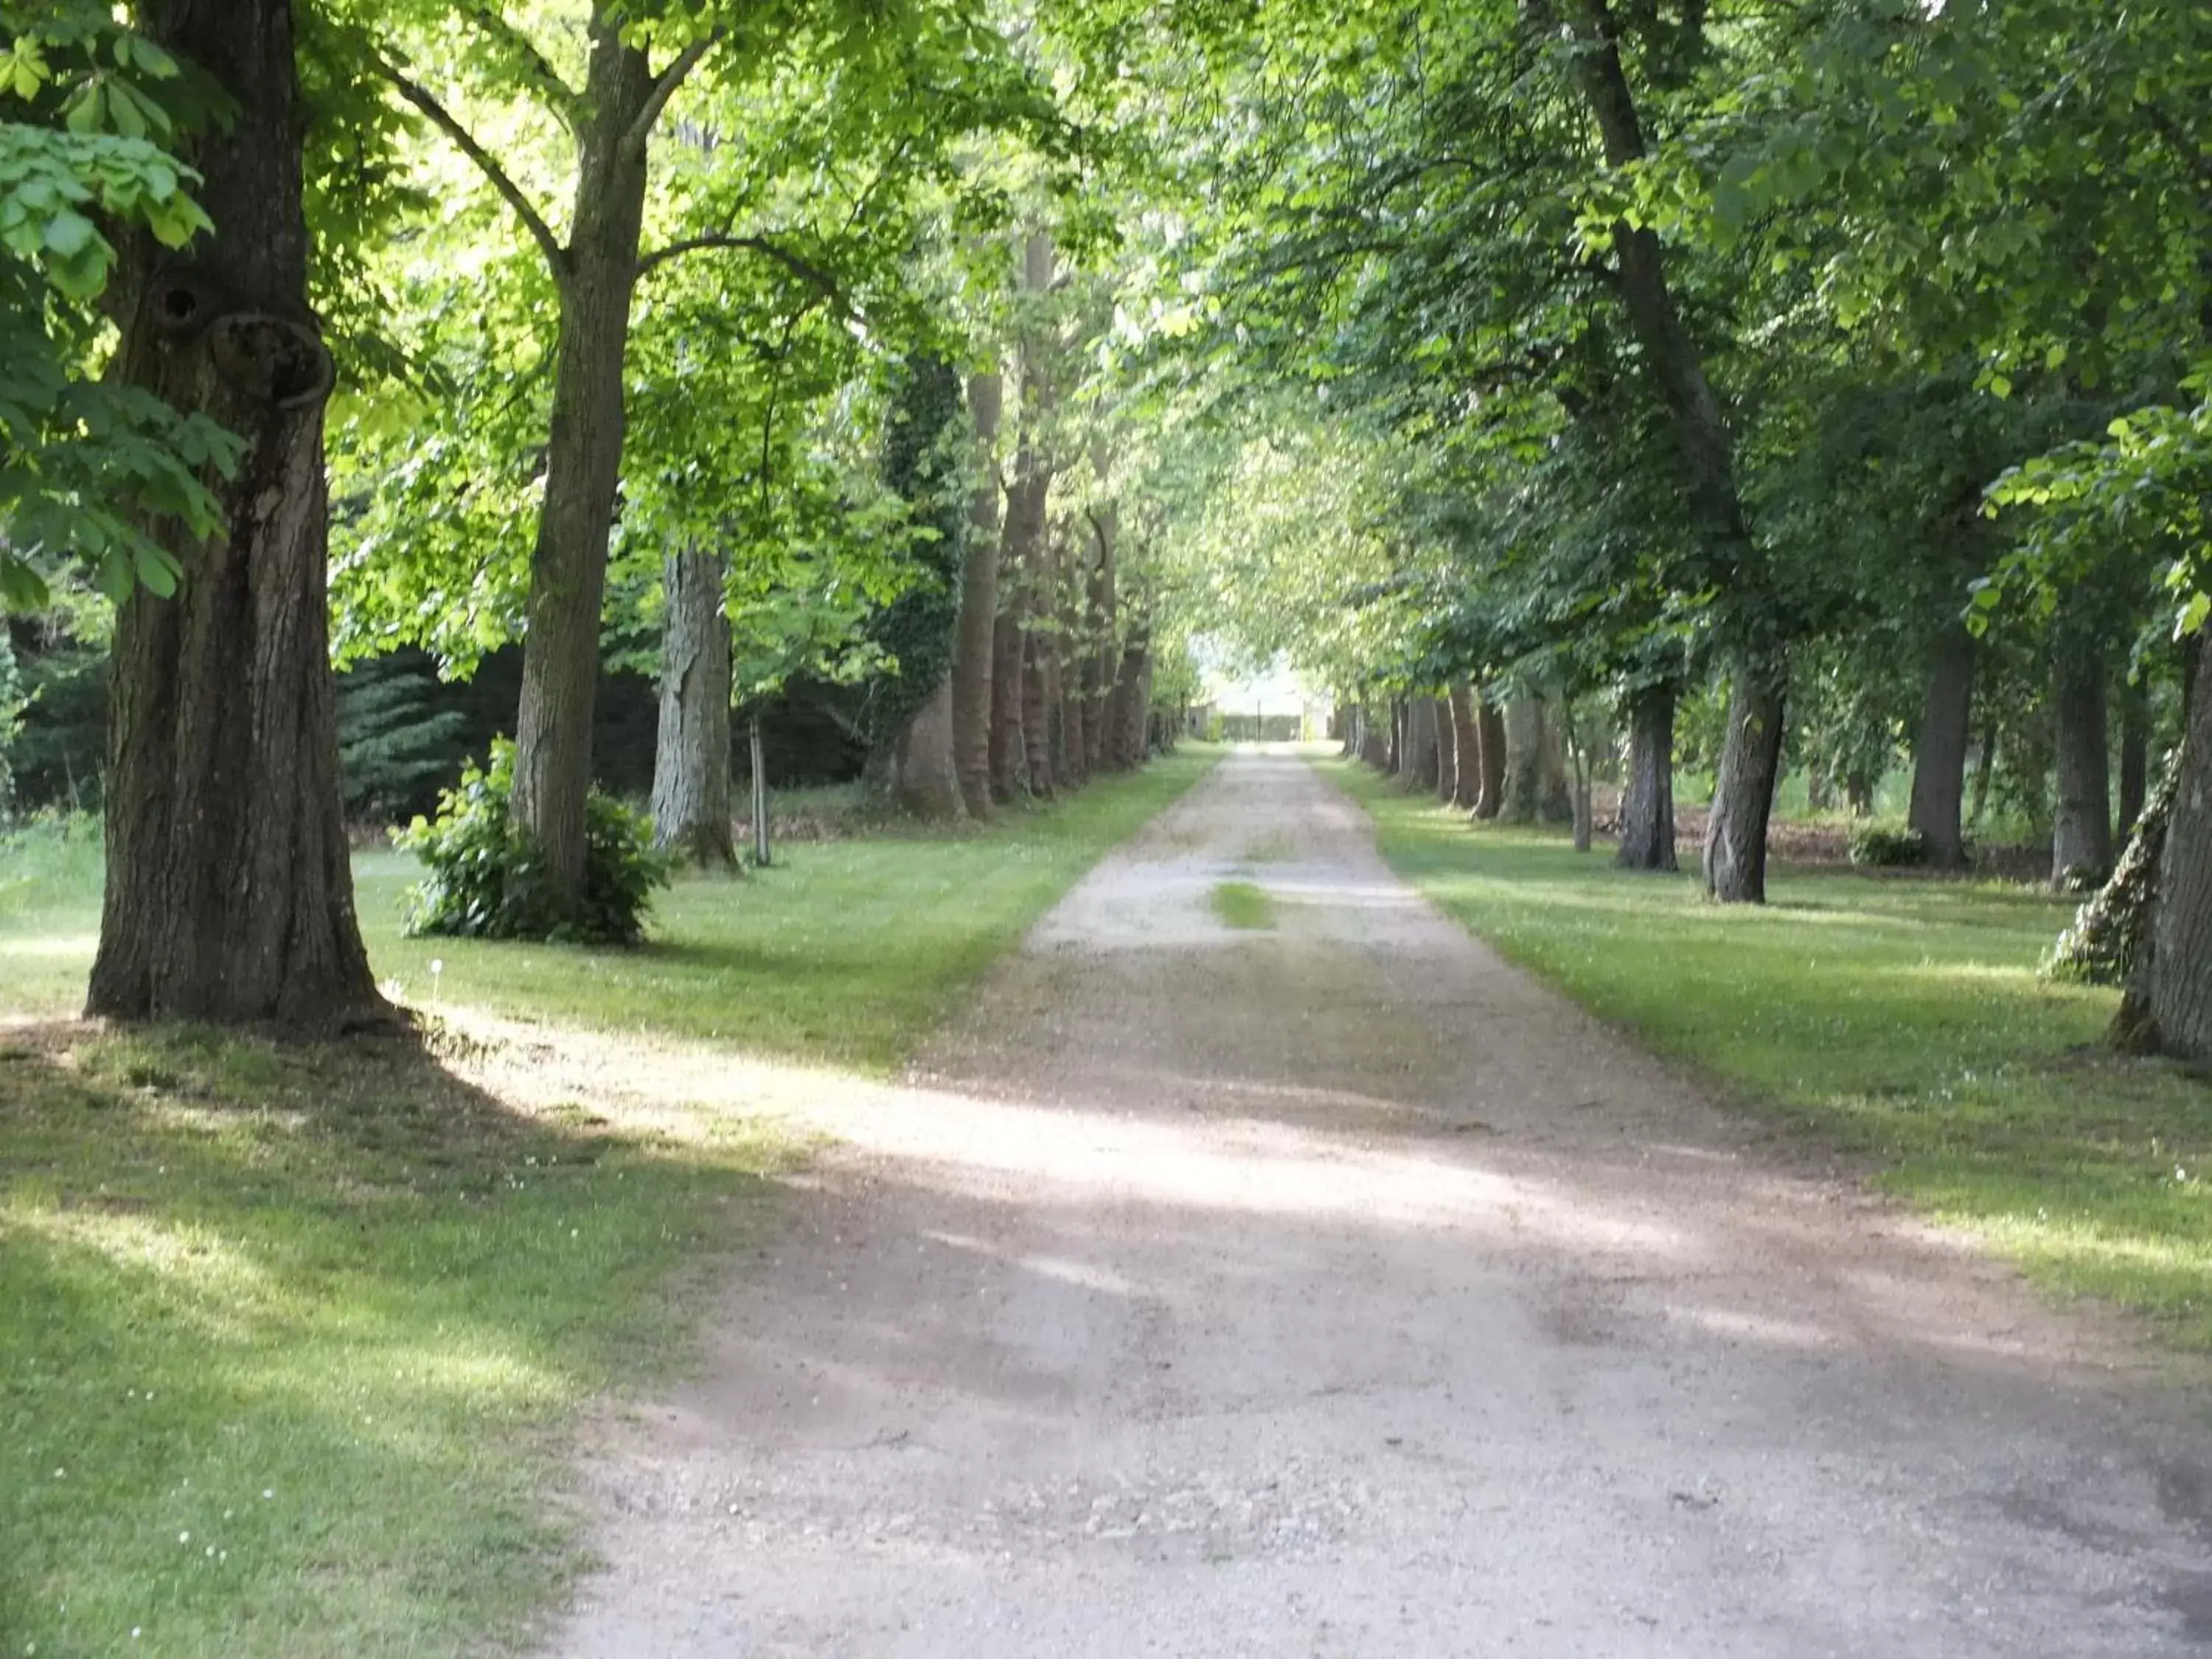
1647,806
2081,830
1743,794
1523,791
1040,677
1071,760
1495,751
583,462
229,896
1398,745
979,610
1420,770
924,779
1467,750
1939,757
2173,998
1447,752
2135,754
691,757
1131,696
1009,642
1103,651
1375,736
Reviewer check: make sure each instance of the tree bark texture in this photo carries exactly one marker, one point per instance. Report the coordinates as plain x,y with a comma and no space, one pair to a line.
1494,750
2176,995
1467,750
229,895
1647,806
1939,757
1071,760
1447,752
2135,754
978,607
1040,675
1375,736
1743,791
1420,768
1527,761
1133,696
583,461
924,779
1100,653
2082,827
691,757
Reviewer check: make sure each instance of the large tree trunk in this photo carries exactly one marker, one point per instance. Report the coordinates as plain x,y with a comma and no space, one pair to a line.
1939,758
1735,842
1420,768
1495,750
924,779
1524,783
1040,674
1104,651
2135,753
1134,696
2173,993
2081,830
1072,759
229,896
691,759
978,608
1646,807
1375,736
1744,792
1467,750
583,462
1021,551
1447,751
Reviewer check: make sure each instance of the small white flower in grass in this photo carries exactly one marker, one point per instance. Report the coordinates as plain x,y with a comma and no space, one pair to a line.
184,1538
134,1633
268,1492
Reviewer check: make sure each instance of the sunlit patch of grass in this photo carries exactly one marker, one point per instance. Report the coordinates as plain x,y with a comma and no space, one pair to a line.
286,1328
1898,1020
289,1337
1242,905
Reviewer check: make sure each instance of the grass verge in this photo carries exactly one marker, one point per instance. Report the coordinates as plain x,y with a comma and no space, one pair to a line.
1897,1020
289,1337
1241,905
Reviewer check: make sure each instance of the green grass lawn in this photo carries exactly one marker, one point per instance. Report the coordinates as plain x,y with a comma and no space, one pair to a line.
289,1337
1900,1020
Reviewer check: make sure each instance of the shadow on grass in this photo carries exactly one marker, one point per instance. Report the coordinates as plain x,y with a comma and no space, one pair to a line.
286,1329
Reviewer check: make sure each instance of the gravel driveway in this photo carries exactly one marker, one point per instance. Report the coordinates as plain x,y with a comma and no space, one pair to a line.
1335,1290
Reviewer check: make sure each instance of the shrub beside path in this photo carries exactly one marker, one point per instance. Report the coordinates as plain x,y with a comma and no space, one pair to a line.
1331,1288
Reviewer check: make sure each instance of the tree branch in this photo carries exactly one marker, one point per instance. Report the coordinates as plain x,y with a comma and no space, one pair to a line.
537,69
663,88
813,275
532,221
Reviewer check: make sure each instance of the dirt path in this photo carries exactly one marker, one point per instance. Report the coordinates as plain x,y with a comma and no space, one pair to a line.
1335,1290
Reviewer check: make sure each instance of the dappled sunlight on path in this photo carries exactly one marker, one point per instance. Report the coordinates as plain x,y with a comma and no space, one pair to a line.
1331,1288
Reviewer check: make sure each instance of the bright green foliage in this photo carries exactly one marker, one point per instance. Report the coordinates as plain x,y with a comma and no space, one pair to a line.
84,110
486,876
